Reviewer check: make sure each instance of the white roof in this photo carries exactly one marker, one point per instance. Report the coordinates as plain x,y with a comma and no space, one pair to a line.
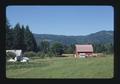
17,52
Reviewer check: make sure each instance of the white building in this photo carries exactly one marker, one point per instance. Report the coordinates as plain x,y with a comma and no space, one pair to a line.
18,54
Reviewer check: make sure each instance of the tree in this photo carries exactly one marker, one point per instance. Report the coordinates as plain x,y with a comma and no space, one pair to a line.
69,49
44,46
65,48
57,48
102,48
96,48
23,38
19,37
109,48
9,36
35,48
29,40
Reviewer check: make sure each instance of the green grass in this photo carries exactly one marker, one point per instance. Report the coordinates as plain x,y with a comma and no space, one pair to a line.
62,67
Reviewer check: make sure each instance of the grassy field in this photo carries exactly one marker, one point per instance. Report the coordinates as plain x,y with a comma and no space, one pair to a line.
62,67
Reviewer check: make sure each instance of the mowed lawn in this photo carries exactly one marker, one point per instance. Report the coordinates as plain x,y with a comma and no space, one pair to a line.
63,67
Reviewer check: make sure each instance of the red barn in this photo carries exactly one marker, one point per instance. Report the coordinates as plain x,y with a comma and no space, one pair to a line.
83,50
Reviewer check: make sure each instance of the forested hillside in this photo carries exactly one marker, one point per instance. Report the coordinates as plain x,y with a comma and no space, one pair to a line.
98,37
20,37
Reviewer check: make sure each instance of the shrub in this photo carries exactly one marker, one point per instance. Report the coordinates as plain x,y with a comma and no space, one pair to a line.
40,54
50,54
43,55
30,54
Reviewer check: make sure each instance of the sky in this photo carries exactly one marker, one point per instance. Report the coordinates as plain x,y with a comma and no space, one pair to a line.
62,20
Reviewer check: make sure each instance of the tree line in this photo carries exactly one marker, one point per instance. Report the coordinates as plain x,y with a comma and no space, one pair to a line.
103,48
20,37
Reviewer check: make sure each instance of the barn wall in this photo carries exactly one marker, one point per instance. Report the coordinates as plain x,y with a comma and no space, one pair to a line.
86,53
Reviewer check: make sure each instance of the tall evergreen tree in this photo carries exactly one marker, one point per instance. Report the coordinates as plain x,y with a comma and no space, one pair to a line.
29,40
23,38
19,38
35,48
9,36
44,46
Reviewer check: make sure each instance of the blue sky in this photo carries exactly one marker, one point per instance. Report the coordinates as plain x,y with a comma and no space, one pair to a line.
62,20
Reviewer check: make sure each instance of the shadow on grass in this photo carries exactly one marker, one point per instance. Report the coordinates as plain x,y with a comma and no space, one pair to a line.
19,65
62,56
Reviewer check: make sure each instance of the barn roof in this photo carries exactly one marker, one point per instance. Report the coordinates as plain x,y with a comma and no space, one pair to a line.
84,48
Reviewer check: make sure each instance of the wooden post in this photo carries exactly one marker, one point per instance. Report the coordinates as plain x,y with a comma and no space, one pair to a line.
75,55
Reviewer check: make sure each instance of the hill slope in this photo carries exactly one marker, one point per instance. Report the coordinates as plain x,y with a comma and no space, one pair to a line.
98,37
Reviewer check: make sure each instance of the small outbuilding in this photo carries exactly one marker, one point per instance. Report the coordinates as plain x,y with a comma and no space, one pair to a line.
17,52
83,50
18,56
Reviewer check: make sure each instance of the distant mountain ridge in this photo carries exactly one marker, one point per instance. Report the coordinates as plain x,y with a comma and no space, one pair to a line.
98,37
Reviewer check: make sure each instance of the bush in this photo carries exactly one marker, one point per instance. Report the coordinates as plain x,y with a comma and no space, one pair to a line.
43,55
40,54
10,55
51,54
30,54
